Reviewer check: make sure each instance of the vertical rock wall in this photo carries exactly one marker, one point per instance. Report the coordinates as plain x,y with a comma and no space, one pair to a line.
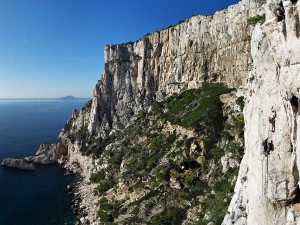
203,48
267,190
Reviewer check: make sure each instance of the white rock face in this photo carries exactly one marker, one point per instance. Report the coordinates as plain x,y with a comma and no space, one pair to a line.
264,63
203,48
267,188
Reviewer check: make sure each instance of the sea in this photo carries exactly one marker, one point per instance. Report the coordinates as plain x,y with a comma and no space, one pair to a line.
39,197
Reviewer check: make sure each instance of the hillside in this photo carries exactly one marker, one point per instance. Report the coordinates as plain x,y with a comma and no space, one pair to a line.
165,167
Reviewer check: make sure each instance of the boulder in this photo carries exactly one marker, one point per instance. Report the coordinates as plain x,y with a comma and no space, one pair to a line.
175,184
18,164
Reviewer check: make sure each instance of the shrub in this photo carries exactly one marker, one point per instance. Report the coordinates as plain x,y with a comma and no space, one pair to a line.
97,177
104,216
104,186
96,147
68,126
256,19
162,173
105,205
189,163
215,153
81,134
240,101
171,216
238,125
146,197
223,186
260,1
188,179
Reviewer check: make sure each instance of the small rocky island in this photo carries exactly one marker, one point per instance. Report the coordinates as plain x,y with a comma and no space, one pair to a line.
18,164
68,97
46,154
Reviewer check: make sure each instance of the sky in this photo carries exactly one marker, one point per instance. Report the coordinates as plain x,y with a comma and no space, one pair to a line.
53,48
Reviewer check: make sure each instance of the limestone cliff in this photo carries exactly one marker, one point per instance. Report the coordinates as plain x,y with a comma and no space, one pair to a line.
267,190
202,48
261,61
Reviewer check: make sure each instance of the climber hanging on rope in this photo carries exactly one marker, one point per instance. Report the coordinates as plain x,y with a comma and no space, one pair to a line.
272,118
270,147
267,146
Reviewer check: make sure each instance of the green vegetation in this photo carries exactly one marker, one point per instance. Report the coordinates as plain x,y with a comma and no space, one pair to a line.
260,1
241,102
105,185
195,108
80,135
215,153
149,155
68,126
171,216
97,177
256,19
146,197
87,106
94,147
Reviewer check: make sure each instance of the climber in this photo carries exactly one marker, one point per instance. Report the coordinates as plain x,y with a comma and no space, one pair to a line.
265,146
270,147
272,118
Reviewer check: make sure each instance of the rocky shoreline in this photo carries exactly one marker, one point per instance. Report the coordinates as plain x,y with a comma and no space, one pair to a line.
76,199
83,203
50,154
77,203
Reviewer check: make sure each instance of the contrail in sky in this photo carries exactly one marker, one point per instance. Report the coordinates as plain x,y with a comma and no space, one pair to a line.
24,35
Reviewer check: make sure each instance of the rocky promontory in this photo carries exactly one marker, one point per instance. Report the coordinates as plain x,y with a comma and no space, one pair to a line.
48,154
18,164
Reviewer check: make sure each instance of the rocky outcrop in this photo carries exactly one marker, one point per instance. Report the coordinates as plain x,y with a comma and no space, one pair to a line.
267,190
18,164
48,153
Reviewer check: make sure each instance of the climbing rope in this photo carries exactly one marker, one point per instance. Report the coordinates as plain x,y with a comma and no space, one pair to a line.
266,185
262,177
265,179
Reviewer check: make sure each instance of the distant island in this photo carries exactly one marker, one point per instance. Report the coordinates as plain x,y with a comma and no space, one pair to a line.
68,97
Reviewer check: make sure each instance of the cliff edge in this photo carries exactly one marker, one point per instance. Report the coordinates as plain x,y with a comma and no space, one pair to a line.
253,47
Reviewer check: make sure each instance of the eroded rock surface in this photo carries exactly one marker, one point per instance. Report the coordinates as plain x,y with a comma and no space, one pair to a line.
267,190
18,164
48,154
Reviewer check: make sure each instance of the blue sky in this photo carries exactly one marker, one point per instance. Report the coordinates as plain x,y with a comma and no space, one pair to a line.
53,48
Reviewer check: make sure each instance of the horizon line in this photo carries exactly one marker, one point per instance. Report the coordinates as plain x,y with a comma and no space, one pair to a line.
41,98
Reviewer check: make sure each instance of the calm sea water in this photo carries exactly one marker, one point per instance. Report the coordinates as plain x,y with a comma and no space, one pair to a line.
40,197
